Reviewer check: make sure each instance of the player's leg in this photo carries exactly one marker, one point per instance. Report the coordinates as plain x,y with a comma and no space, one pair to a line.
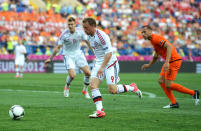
21,65
87,74
17,67
70,77
112,79
17,71
97,98
116,89
81,62
170,76
21,71
95,92
70,67
179,88
168,93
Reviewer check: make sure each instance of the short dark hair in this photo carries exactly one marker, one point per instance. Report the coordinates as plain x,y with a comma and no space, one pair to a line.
147,26
90,20
70,19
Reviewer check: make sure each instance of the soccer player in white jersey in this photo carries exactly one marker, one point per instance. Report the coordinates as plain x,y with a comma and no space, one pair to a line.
20,52
70,42
106,66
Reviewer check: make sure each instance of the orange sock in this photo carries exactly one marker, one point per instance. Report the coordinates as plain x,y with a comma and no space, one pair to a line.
169,93
180,88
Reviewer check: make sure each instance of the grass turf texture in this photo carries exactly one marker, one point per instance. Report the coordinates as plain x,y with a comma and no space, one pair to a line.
41,95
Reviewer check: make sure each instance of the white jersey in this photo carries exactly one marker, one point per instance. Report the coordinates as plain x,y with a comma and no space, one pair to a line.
20,51
71,42
101,44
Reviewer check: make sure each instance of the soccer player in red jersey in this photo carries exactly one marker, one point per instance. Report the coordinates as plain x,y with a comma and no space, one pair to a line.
172,64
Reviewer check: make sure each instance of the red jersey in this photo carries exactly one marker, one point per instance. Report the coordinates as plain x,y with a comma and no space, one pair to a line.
158,42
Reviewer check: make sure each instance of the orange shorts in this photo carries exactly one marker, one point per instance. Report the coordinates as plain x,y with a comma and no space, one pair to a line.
172,71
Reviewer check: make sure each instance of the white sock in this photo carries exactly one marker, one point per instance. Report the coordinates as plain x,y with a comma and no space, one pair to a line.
97,98
99,105
124,88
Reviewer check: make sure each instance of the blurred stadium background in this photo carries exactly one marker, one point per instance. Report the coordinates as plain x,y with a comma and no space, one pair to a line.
38,24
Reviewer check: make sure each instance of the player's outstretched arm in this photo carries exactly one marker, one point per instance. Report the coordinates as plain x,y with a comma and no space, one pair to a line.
55,51
145,66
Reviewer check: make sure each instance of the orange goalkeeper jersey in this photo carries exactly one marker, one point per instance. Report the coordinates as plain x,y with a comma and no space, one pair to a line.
158,43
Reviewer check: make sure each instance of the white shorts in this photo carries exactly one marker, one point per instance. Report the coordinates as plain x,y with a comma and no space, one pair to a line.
71,62
20,61
111,73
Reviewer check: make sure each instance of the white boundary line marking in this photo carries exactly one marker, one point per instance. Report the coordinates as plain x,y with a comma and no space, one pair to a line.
150,95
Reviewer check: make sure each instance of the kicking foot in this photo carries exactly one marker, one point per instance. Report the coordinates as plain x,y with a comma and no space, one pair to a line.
97,114
136,90
66,92
171,106
196,96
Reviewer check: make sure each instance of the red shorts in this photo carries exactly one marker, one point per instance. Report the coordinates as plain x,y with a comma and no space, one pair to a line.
172,71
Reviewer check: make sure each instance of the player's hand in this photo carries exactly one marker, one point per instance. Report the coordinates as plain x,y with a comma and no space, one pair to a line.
100,72
145,66
166,66
47,62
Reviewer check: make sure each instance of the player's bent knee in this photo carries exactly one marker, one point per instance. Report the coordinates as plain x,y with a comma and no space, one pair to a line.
112,90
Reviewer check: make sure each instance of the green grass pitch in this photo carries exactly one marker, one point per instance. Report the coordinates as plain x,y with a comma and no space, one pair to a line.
46,109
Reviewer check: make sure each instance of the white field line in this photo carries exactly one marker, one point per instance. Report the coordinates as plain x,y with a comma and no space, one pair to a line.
150,95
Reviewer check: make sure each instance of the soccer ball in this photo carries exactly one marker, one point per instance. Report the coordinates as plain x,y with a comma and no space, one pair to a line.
16,112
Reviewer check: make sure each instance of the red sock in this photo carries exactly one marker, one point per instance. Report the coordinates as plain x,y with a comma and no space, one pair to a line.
169,93
180,88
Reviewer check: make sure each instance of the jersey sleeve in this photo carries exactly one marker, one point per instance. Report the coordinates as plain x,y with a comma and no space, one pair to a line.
105,43
61,40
